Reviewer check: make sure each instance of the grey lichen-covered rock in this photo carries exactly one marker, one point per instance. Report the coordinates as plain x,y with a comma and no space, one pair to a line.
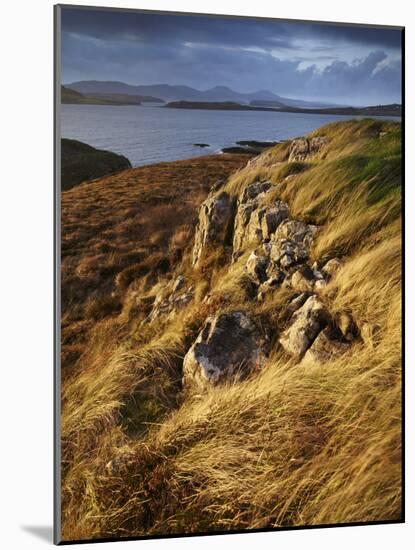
298,149
171,299
303,279
215,217
256,267
252,191
303,148
255,221
325,348
242,218
306,323
270,218
298,301
228,347
269,286
296,231
290,244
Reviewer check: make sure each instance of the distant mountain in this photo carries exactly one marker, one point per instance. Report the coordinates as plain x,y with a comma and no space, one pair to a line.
186,93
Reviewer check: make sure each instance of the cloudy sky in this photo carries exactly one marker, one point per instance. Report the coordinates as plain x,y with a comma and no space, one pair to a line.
340,64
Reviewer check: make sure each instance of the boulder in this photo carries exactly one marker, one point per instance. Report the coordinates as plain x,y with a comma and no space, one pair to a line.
254,220
229,346
256,268
306,323
325,348
296,231
171,299
243,215
252,191
298,301
285,253
303,279
298,149
269,285
291,242
271,217
303,148
215,217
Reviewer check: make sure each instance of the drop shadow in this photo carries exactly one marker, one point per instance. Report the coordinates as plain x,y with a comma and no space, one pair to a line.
43,532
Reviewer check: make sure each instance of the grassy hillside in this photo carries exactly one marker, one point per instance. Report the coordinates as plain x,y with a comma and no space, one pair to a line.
292,444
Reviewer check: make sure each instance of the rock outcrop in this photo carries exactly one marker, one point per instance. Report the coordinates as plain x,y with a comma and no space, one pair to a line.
290,244
255,220
229,347
326,347
215,216
306,323
175,297
256,267
303,148
282,244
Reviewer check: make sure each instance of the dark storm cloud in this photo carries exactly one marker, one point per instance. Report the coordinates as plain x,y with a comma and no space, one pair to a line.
115,25
356,65
131,26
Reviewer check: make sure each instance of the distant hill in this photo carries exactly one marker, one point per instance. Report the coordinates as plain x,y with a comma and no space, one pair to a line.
168,92
375,110
81,162
393,109
290,102
69,96
215,106
126,98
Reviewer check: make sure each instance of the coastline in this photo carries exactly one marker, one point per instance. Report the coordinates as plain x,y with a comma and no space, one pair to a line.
215,161
393,110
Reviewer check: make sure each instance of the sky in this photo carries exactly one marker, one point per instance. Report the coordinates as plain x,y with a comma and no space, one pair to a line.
336,63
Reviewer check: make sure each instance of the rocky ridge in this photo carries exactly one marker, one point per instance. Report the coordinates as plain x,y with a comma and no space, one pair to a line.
275,251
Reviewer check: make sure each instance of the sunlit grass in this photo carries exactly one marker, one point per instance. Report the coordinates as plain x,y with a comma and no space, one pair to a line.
291,445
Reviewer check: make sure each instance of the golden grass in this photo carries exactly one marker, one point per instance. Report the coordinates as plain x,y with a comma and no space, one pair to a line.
129,226
291,445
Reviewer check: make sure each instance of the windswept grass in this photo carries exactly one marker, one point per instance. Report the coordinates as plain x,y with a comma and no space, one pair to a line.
292,444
